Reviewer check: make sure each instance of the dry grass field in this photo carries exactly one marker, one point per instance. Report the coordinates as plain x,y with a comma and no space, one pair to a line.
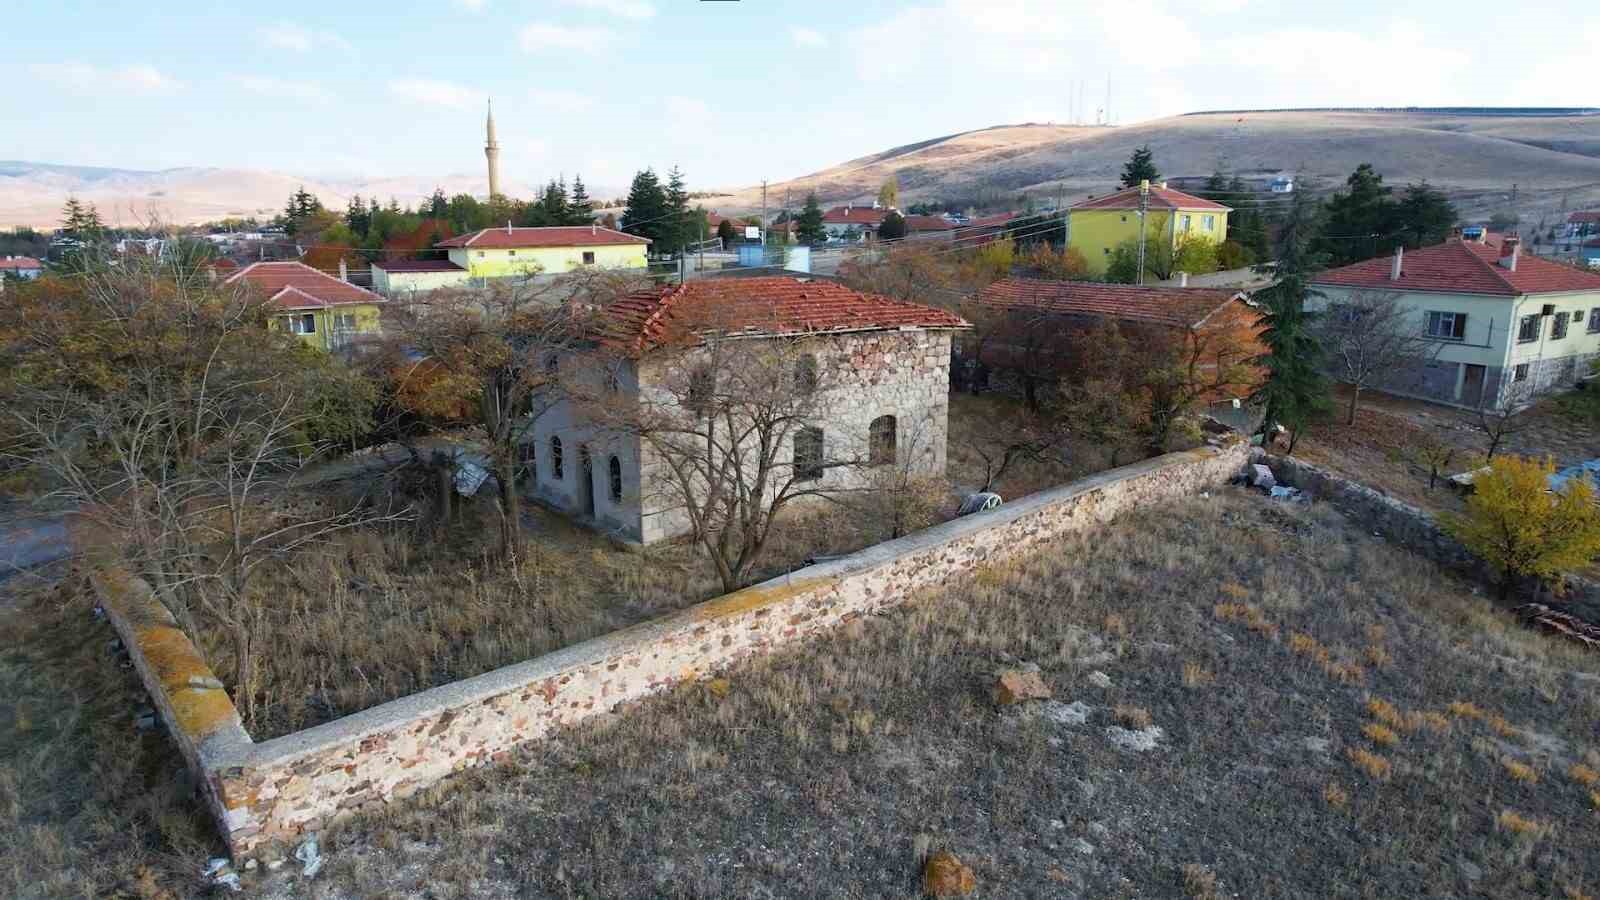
1322,715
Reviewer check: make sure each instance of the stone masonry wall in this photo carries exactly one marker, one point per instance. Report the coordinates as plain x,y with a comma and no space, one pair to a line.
280,789
1412,528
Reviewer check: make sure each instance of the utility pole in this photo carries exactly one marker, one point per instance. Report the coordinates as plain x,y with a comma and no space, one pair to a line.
764,224
1144,206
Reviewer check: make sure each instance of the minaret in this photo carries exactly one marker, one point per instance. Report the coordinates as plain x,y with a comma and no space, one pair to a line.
491,150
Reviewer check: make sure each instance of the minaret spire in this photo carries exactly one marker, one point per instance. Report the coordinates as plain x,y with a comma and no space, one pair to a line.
491,151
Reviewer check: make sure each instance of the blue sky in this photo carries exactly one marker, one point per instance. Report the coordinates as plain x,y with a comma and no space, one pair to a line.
731,91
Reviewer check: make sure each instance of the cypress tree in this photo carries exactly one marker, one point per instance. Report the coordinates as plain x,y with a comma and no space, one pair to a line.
580,209
1141,166
1295,392
646,211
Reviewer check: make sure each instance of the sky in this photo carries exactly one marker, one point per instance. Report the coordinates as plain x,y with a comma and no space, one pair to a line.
732,91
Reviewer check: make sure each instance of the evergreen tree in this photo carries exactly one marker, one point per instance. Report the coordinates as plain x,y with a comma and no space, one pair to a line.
645,213
580,209
1296,391
727,232
1360,220
1141,166
438,205
1247,224
302,206
357,218
893,227
1424,216
808,227
682,228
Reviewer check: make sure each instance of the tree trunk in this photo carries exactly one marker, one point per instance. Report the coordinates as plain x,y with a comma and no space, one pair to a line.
444,488
1355,400
510,506
243,672
1506,579
1030,390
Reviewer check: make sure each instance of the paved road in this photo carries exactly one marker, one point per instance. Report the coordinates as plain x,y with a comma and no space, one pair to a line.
26,543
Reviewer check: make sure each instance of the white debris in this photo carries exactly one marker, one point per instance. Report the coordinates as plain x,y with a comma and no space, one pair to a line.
229,881
1083,846
1074,713
214,865
1099,679
982,501
1138,741
307,853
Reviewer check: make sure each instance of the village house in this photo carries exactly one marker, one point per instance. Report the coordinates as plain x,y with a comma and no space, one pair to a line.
849,222
936,228
21,266
1504,324
1031,330
324,311
880,368
400,277
512,252
1095,227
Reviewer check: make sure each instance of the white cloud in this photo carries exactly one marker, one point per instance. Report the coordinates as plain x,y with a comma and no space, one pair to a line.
627,9
284,88
139,78
807,37
435,93
543,36
561,100
289,36
472,5
688,109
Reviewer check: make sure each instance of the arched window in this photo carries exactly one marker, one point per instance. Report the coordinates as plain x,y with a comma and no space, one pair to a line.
808,454
556,469
805,374
616,480
529,461
701,384
880,441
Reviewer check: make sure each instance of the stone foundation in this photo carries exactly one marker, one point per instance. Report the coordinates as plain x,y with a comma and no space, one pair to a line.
278,790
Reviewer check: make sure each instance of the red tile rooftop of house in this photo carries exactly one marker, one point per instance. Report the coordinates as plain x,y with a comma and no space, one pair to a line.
991,221
554,236
1463,267
929,223
294,285
1183,307
854,215
1160,198
1586,216
19,264
779,305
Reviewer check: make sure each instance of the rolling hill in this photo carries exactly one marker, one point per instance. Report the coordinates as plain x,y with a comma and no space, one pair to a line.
1479,159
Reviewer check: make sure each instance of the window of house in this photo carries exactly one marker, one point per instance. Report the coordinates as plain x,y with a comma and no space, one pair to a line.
511,253
1209,223
588,257
345,321
557,471
480,254
1520,373
1559,329
1187,221
613,383
616,480
805,374
808,454
880,441
1106,251
1594,320
1451,326
701,384
1124,218
1528,329
306,324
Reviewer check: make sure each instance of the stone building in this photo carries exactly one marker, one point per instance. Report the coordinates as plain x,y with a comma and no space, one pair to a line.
870,376
1505,325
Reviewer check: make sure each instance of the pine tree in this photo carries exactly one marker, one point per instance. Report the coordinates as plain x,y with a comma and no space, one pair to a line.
1246,224
1424,216
357,217
646,211
681,223
1141,166
1295,392
580,209
1360,220
73,216
808,227
438,205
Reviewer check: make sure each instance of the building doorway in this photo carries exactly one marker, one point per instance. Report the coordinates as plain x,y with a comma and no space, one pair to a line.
1472,386
586,466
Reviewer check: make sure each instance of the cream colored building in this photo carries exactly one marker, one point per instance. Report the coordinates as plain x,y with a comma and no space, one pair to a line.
401,277
511,252
1504,324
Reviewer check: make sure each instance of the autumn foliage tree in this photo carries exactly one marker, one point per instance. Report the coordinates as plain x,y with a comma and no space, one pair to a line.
1517,524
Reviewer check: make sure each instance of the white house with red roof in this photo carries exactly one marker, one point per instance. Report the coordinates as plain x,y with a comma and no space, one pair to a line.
1505,324
510,252
402,277
21,267
880,367
850,222
324,311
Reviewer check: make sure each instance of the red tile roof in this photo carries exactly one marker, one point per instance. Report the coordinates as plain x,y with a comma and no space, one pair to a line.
929,223
1181,307
1587,216
293,285
855,215
20,263
775,305
1463,267
417,265
991,221
713,220
554,236
1160,198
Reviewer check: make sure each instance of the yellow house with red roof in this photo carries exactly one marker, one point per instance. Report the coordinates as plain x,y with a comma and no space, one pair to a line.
322,310
1095,227
509,252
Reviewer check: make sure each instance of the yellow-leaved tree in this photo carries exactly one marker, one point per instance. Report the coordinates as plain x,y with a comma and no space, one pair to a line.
1517,524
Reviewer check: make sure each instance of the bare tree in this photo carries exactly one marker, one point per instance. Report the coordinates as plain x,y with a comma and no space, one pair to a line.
1506,419
1369,337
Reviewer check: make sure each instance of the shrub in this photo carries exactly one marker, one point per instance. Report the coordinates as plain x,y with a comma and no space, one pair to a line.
1234,255
1522,528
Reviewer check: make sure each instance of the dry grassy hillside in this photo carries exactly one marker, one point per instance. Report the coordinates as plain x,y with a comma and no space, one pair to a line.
1476,158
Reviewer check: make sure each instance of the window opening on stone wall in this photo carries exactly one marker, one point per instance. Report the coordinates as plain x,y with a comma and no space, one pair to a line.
616,480
702,382
881,441
808,454
556,468
805,374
